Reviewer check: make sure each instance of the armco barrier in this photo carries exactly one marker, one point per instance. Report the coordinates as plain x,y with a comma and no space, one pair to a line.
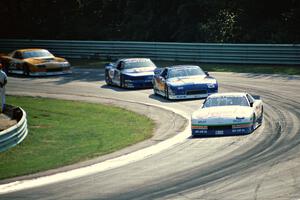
15,134
200,52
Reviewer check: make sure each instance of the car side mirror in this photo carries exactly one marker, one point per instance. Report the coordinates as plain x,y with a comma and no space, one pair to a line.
256,97
207,74
157,71
120,67
251,104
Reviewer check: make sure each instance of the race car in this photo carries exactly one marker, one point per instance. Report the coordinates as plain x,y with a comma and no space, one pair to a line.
227,114
183,82
130,73
34,62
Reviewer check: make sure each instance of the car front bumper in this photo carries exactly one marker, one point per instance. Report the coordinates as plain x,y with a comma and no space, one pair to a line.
221,130
195,91
195,96
138,82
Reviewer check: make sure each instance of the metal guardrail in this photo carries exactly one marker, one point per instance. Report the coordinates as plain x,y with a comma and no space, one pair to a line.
200,52
15,134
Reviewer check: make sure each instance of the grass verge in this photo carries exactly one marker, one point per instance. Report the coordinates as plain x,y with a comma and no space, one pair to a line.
239,68
65,132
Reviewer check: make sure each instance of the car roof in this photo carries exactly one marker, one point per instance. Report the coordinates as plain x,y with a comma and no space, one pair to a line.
229,94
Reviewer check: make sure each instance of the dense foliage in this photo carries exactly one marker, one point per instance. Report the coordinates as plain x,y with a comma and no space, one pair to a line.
242,21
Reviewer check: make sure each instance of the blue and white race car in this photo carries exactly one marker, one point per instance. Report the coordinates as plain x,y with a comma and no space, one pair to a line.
183,82
227,114
130,73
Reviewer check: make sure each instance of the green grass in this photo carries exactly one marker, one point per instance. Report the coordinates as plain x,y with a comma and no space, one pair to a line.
239,68
65,132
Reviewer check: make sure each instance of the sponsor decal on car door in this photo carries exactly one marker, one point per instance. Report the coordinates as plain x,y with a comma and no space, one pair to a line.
161,81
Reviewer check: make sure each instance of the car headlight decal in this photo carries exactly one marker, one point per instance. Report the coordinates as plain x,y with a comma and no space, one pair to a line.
211,85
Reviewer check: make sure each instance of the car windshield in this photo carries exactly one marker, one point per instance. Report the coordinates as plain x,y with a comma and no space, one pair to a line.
139,64
188,71
37,53
225,101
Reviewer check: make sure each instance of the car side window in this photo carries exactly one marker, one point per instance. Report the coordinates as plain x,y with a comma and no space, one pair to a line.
120,65
17,55
164,73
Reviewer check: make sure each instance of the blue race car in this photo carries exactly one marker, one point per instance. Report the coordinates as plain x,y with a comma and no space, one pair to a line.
183,82
130,73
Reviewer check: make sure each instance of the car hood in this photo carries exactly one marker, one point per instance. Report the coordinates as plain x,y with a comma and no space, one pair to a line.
141,71
191,80
41,60
222,114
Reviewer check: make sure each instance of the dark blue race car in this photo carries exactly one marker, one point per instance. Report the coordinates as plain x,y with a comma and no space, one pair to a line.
130,73
183,82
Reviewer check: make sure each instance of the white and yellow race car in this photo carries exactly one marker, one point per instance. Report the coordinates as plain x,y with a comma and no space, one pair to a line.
34,62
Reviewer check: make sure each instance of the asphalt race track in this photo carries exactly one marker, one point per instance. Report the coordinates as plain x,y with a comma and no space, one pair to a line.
263,165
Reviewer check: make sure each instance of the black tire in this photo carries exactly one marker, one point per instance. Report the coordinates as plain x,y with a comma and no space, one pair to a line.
107,78
167,92
260,120
155,91
122,81
26,70
154,88
254,123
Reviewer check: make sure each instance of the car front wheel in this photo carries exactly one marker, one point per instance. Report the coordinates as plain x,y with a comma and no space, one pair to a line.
254,123
167,92
107,78
122,85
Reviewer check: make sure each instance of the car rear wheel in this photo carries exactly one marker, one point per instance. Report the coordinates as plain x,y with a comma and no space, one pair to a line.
154,88
26,70
260,119
155,91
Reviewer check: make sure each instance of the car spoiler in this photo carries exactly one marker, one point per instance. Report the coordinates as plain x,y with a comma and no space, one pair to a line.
256,97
